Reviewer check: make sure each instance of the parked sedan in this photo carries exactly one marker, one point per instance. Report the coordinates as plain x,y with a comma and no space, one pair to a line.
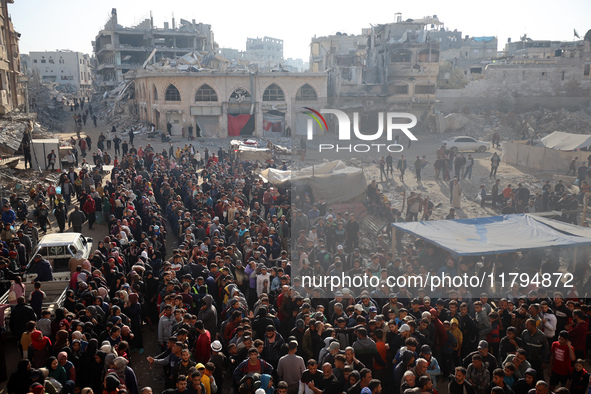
463,143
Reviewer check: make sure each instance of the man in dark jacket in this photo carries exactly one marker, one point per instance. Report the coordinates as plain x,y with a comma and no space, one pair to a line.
20,315
44,270
459,385
77,218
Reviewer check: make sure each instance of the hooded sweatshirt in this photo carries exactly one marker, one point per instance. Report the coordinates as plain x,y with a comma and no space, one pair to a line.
208,315
265,379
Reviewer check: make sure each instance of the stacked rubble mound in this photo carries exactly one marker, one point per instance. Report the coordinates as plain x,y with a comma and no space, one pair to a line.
46,101
511,125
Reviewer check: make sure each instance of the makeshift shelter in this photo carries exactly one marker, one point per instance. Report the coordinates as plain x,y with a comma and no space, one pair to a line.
497,234
559,140
40,148
333,181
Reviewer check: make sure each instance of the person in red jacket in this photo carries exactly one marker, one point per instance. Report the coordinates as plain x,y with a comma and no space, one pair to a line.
578,333
203,344
89,209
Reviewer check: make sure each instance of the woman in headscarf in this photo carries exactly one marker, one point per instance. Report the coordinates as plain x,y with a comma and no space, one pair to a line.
60,314
102,248
96,370
61,341
20,380
133,311
76,352
126,373
39,349
111,384
56,371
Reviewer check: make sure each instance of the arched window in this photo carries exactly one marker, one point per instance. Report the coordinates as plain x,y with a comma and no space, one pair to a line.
306,93
273,93
172,93
239,95
206,93
155,93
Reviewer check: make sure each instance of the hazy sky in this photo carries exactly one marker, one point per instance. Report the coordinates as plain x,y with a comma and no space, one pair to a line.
61,24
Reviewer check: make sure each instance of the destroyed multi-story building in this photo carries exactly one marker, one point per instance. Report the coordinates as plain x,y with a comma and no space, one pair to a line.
12,88
265,52
391,66
119,49
337,51
71,71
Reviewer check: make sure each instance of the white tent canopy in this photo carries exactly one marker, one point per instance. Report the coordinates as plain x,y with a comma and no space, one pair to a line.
333,181
498,234
559,140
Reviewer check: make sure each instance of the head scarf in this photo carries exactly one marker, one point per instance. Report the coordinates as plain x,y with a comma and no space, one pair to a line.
38,340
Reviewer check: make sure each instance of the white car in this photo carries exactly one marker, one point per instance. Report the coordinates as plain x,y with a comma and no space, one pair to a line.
464,143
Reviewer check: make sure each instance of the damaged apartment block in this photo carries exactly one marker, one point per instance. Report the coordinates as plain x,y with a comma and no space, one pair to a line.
120,49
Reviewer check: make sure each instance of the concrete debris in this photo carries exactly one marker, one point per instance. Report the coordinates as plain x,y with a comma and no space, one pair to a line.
11,136
511,125
454,122
47,102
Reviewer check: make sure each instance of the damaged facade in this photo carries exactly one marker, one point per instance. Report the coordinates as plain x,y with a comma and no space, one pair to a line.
120,49
388,67
12,94
232,103
70,71
541,75
265,52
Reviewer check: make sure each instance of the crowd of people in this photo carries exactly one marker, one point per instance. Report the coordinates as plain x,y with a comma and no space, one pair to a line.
231,311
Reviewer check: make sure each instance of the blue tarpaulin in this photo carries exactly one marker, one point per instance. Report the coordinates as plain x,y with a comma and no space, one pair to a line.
485,39
498,234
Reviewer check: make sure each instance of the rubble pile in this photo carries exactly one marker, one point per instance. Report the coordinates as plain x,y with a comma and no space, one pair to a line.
46,101
511,125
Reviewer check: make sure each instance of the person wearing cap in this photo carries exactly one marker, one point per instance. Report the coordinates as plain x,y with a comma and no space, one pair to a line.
433,369
393,305
291,367
488,359
218,358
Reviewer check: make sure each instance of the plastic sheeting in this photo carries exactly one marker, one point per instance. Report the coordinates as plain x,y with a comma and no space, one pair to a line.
559,140
209,125
498,234
332,181
538,158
